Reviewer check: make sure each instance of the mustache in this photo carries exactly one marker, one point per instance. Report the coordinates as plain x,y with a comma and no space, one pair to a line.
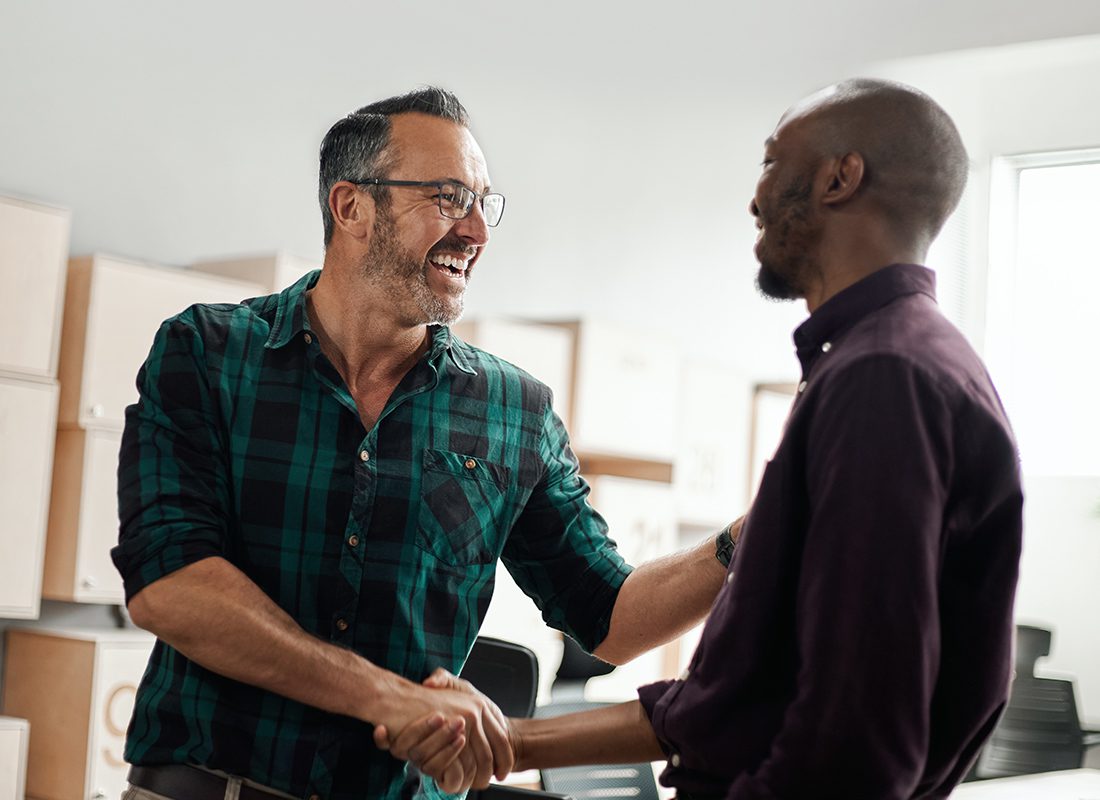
452,244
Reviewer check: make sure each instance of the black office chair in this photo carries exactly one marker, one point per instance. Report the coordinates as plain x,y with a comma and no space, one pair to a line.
508,674
575,670
567,696
1040,730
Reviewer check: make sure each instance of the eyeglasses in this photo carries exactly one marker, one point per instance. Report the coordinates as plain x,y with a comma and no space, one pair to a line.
454,199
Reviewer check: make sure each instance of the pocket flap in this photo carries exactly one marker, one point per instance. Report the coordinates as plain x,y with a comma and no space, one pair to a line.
466,466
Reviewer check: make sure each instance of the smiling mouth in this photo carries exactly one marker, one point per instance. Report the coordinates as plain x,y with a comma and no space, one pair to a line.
455,266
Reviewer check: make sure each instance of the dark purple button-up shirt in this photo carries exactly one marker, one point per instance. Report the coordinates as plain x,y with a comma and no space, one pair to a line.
861,647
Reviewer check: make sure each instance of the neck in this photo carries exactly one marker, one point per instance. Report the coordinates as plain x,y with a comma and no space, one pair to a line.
359,333
850,256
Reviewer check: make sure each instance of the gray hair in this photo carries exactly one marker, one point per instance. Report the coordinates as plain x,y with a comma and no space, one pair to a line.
356,147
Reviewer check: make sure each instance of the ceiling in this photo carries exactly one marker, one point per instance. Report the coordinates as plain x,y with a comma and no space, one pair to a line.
181,130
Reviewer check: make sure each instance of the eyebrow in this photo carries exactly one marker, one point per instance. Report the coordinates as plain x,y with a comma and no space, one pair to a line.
462,183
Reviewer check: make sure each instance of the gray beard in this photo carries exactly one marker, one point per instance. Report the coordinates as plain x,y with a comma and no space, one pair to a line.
401,278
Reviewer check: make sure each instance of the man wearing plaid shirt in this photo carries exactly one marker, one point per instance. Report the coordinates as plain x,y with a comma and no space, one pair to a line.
315,487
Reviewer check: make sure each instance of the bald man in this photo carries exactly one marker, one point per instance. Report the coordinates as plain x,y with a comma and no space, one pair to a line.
861,645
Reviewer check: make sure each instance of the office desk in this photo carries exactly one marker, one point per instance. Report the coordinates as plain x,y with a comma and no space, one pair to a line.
1072,784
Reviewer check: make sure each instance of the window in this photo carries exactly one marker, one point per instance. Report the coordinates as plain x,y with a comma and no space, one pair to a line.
1044,287
950,257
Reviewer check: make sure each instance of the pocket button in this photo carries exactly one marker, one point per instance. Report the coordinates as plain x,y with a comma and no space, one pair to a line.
470,463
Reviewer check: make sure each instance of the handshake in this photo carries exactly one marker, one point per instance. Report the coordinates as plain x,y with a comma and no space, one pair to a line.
452,733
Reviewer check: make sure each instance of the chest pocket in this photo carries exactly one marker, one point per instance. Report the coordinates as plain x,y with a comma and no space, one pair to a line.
463,500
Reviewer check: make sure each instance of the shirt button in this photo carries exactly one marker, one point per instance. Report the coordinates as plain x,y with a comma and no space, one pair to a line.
341,624
470,463
685,674
825,348
729,578
675,760
308,338
364,455
353,541
802,387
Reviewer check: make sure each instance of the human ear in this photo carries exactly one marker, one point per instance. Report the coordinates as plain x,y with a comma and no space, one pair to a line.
352,210
842,178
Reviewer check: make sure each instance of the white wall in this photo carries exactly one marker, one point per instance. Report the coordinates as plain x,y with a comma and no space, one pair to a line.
626,136
1025,99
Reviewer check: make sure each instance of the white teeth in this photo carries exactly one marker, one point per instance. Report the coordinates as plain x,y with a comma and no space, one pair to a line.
445,260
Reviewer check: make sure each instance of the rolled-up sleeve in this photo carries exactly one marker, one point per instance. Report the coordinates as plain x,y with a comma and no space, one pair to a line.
559,552
172,482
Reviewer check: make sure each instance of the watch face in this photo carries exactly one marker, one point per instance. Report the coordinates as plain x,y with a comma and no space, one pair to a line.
723,548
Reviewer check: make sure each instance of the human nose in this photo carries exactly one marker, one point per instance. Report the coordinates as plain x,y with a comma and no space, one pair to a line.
473,227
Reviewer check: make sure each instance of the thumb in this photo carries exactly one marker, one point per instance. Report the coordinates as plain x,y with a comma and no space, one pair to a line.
382,737
441,679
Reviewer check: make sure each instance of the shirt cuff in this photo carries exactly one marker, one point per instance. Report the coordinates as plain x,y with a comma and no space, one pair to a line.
650,695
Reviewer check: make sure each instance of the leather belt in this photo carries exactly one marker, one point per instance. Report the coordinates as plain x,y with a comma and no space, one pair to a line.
181,782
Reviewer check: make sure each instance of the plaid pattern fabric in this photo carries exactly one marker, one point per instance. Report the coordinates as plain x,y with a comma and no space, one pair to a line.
246,444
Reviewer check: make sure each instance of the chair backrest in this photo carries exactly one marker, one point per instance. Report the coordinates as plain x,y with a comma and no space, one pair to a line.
575,669
506,672
1040,730
1031,644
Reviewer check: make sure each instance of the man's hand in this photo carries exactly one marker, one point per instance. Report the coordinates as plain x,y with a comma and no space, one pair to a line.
427,739
432,743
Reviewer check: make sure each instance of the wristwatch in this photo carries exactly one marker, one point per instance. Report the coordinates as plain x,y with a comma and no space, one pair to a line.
724,545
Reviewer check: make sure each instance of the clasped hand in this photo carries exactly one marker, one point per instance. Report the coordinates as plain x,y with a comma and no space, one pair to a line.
461,740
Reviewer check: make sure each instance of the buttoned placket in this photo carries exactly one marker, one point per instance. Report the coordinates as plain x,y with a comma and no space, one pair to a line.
809,361
354,554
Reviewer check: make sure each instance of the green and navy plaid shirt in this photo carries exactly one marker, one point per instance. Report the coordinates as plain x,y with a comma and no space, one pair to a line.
246,444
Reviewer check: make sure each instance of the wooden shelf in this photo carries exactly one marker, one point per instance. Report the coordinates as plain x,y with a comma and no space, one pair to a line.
625,467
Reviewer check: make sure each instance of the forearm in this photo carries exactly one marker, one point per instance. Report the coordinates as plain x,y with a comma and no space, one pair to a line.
662,599
619,734
217,617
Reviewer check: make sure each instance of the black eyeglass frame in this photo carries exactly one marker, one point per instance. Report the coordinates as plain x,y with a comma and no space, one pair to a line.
477,198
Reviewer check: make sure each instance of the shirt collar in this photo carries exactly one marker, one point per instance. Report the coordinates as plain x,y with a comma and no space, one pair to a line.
290,311
442,337
291,319
852,304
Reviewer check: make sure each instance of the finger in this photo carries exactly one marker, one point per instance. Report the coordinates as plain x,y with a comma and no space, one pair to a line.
498,715
415,733
496,732
468,764
442,754
478,742
426,749
454,780
381,737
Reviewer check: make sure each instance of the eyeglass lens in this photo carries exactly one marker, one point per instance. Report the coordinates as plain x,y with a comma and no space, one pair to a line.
455,201
492,205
